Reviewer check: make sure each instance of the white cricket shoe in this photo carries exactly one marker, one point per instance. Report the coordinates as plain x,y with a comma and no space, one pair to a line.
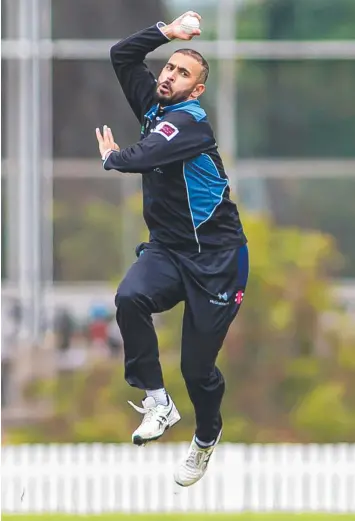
157,419
194,466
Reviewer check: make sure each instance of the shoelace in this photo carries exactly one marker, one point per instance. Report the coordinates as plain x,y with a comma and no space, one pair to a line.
196,456
191,459
147,411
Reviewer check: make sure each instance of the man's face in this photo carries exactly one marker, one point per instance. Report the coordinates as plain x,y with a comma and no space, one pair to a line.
179,80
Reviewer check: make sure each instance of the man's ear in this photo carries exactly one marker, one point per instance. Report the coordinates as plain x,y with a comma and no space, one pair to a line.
198,90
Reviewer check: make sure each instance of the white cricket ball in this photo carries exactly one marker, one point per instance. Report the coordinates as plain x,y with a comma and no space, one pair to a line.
189,23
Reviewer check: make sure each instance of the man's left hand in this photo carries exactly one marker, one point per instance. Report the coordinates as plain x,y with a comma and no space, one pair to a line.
106,141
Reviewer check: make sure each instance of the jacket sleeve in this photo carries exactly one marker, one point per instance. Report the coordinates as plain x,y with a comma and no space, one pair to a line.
176,138
137,81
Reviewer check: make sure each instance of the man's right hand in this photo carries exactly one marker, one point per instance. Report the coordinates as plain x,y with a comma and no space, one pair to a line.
174,30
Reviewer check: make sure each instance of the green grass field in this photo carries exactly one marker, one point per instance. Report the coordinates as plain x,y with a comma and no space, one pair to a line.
182,517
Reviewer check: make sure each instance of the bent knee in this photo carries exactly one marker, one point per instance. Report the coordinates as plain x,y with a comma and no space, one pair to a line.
126,298
201,374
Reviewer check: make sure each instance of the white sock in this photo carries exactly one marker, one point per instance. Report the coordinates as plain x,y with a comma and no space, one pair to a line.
160,396
204,443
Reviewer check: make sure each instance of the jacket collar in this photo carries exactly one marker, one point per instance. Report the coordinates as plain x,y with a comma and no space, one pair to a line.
183,104
190,105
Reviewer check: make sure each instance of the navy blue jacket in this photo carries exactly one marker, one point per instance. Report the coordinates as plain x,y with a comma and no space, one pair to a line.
186,203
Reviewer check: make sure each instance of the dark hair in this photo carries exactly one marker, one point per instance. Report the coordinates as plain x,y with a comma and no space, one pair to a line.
201,60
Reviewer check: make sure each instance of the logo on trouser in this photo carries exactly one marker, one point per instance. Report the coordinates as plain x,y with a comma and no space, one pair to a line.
239,297
222,300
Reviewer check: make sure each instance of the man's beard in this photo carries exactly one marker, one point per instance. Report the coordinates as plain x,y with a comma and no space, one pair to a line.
171,99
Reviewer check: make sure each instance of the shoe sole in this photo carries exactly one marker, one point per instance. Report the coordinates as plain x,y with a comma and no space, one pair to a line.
189,484
181,485
138,440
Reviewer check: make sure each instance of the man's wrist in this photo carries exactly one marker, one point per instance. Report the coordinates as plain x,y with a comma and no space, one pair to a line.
166,30
106,154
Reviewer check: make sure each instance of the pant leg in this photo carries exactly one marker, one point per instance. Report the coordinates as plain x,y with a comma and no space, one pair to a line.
207,318
151,285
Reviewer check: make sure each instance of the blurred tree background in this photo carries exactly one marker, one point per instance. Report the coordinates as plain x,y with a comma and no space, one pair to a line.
303,109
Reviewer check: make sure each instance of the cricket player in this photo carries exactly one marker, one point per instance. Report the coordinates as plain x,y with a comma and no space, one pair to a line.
197,251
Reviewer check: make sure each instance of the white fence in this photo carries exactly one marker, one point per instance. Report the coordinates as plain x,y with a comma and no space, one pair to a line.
112,478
